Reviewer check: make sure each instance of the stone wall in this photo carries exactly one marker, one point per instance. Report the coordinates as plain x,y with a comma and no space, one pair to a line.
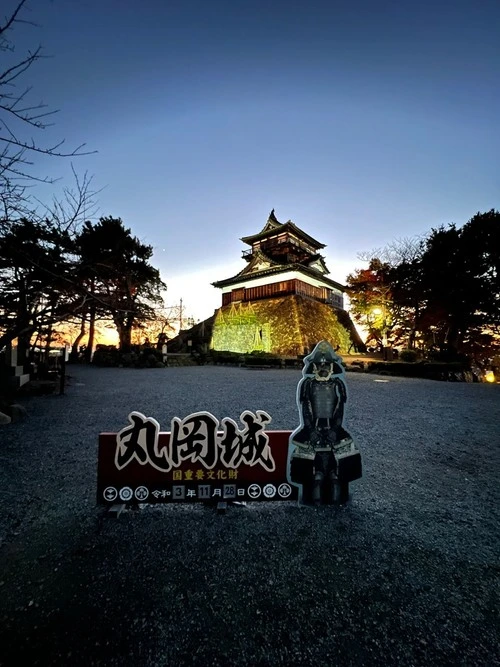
286,326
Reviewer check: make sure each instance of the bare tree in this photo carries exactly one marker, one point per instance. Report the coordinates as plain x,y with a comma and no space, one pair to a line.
21,120
404,249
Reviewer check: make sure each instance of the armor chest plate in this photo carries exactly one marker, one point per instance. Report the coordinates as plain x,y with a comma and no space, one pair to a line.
323,400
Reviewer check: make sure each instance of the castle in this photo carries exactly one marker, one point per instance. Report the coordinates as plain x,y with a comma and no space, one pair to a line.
283,300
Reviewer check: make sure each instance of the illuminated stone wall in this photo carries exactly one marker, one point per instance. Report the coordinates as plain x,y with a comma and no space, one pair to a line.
284,326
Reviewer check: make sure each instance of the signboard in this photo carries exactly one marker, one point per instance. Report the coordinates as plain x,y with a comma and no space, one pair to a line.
202,459
198,460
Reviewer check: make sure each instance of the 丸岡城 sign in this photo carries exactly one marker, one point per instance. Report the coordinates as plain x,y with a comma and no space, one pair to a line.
200,459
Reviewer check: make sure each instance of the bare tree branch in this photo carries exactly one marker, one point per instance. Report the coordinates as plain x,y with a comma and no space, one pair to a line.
17,114
402,249
13,18
75,206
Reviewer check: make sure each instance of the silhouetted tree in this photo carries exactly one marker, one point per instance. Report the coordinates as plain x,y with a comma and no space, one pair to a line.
120,281
460,277
36,284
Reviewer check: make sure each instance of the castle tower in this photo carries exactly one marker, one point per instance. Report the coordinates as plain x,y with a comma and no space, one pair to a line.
282,301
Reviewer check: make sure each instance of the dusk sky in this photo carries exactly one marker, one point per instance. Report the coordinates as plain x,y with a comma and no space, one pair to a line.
362,122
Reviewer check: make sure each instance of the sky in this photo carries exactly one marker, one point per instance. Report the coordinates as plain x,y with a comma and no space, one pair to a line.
362,121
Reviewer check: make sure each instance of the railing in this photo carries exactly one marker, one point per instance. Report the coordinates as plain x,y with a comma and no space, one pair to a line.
276,242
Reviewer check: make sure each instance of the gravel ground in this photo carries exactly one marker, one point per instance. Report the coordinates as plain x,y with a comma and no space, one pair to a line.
406,574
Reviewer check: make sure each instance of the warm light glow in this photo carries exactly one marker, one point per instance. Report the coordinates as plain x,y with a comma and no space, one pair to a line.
67,332
489,376
107,336
377,311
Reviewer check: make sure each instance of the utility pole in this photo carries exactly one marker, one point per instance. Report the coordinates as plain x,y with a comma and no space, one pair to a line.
180,316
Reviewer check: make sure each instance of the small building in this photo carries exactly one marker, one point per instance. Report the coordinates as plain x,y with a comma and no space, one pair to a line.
283,300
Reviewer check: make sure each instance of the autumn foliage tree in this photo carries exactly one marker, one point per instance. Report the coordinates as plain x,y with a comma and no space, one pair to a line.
372,305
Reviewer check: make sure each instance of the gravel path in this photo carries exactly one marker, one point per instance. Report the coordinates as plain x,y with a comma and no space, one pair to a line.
406,574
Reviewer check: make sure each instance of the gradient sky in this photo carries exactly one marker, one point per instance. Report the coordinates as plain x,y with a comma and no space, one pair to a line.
362,122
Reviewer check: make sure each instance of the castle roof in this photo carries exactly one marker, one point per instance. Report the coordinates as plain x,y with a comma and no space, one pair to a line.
273,226
262,265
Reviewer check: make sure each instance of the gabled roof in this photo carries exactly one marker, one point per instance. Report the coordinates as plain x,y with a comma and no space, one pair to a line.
259,262
273,225
317,262
275,268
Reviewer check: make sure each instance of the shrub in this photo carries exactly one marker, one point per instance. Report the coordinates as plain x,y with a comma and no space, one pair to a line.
261,354
137,358
261,360
226,357
106,356
408,355
430,371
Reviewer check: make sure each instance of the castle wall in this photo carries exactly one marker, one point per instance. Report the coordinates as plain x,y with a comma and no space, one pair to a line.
286,326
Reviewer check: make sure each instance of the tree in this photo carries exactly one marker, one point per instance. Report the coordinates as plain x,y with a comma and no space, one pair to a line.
158,329
119,279
442,291
38,285
371,300
460,277
51,274
21,121
37,288
408,298
34,240
480,238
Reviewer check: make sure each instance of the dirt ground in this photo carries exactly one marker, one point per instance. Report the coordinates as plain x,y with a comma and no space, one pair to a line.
407,573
